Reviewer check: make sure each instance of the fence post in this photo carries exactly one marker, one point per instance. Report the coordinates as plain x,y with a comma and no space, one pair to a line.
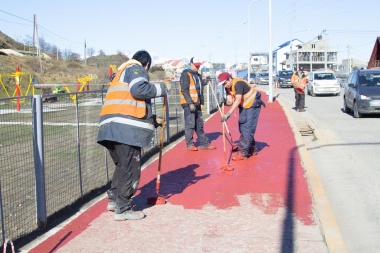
78,146
2,215
39,167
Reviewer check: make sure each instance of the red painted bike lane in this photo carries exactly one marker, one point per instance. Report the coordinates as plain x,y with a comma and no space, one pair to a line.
274,180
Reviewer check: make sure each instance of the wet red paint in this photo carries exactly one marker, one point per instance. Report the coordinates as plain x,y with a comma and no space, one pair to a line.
274,178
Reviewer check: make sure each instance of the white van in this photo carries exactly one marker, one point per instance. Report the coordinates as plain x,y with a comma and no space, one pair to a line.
322,82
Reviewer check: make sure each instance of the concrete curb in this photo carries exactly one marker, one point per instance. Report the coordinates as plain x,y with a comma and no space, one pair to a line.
330,229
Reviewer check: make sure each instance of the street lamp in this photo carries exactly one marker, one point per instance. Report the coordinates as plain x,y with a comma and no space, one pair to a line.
225,35
249,51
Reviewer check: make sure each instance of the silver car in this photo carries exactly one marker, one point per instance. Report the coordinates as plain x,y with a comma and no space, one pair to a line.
322,82
362,93
262,78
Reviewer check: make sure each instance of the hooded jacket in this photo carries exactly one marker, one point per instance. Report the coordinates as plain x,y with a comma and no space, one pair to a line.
126,116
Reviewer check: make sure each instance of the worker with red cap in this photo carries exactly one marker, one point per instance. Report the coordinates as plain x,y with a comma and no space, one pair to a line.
191,99
242,95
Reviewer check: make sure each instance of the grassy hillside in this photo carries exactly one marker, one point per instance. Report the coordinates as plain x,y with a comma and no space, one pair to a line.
55,71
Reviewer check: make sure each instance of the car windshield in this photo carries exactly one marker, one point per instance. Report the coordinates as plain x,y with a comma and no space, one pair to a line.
286,73
264,74
372,79
324,76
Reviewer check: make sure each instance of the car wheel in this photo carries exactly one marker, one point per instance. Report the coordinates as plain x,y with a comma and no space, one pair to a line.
338,94
312,92
357,114
345,107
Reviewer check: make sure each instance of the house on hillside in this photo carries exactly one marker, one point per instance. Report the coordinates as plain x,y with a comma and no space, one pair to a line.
374,61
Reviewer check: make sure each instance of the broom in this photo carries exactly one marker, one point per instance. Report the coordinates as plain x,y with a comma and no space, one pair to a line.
160,200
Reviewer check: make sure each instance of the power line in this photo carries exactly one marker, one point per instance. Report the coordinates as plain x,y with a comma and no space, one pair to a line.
41,27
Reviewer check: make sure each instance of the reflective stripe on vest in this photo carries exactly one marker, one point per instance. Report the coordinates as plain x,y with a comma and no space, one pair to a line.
247,98
192,90
119,99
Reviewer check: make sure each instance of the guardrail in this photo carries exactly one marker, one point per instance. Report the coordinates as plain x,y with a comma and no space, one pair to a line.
49,155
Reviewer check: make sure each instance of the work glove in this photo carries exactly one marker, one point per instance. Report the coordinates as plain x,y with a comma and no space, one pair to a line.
157,121
192,108
168,86
225,117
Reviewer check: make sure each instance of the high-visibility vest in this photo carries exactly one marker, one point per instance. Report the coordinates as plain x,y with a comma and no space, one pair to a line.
119,99
247,98
192,90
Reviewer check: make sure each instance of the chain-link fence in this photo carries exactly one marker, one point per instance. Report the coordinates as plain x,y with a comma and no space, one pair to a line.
49,155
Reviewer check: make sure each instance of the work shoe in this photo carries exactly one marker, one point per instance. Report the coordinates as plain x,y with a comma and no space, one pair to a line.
129,215
208,147
192,148
239,157
111,205
111,201
253,151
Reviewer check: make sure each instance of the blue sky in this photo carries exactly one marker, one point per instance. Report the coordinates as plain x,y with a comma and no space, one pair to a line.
211,30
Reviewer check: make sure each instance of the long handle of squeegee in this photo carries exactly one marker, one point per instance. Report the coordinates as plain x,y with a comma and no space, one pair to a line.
221,113
162,136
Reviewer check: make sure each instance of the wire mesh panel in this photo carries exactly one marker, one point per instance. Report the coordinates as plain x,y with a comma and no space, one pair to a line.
60,131
17,167
92,155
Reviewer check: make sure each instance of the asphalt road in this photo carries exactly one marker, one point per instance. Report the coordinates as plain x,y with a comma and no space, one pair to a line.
346,154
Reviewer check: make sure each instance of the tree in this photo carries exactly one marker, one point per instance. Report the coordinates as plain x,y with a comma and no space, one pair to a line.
101,52
90,51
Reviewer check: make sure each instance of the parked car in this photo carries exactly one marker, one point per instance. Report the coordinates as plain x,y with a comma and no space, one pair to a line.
283,78
262,78
362,92
322,82
252,79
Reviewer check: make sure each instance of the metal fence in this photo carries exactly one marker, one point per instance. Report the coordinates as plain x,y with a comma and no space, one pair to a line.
49,155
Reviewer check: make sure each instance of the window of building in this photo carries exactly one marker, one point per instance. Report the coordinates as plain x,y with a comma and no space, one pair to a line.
312,45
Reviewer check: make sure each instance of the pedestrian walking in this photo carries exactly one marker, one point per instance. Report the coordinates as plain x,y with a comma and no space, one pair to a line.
192,99
126,125
242,95
299,82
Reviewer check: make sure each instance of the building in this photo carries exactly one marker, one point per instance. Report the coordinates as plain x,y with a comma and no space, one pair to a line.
259,62
374,61
311,56
281,54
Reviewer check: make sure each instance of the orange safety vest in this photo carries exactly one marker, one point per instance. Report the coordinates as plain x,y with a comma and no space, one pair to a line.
119,99
192,90
247,98
299,83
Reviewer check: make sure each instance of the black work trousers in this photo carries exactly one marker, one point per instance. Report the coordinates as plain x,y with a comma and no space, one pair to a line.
248,119
194,123
127,173
300,100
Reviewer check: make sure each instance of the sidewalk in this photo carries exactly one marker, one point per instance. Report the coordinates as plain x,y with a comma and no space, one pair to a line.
264,205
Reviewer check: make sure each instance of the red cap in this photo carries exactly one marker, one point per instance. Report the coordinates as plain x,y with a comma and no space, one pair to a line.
195,61
223,77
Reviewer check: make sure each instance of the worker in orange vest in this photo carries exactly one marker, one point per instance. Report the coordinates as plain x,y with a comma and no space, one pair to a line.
299,82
